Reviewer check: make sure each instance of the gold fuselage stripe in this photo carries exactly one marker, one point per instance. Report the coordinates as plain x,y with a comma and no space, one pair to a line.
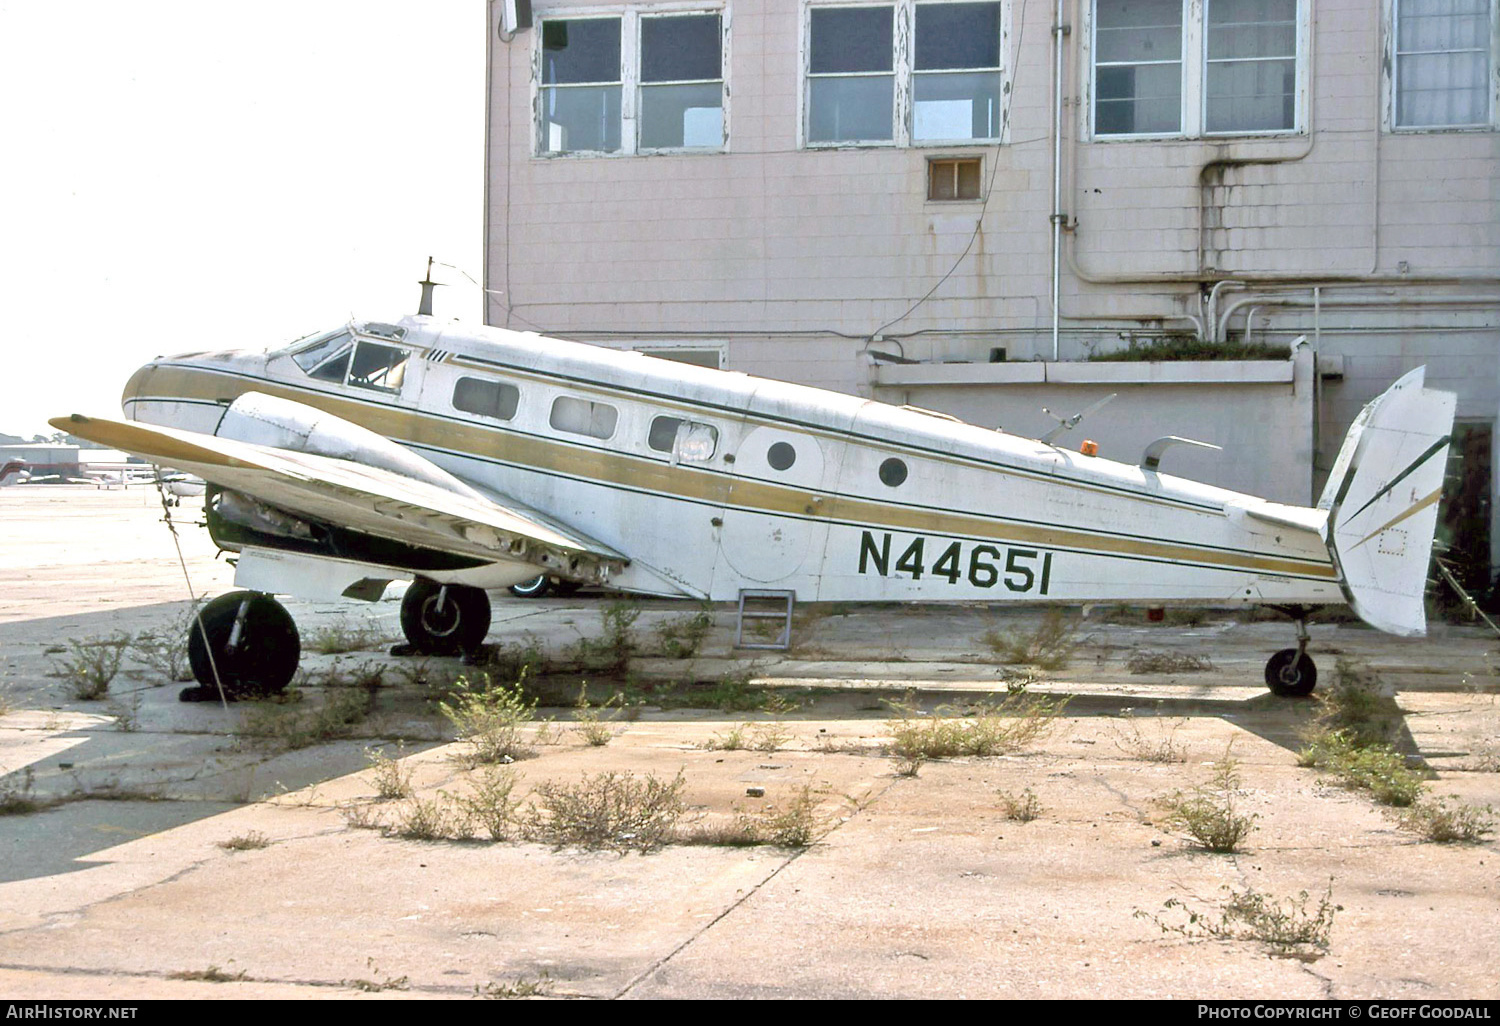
603,467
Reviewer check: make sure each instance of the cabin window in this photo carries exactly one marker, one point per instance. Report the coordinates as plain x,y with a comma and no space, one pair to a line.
893,472
781,456
684,439
486,398
378,366
581,417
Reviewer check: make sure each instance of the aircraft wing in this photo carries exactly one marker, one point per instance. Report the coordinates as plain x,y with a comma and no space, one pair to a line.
359,497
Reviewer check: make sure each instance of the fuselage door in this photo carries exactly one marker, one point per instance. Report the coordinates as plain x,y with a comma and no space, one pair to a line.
771,526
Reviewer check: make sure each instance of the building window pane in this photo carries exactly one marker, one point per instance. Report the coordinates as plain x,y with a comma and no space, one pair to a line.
581,85
956,72
851,79
581,417
953,179
1137,67
682,86
486,398
1251,65
1442,63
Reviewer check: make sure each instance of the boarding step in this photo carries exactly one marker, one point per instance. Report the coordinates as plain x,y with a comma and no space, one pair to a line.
765,604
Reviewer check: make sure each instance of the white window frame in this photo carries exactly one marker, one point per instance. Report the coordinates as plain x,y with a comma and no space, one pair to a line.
1194,117
630,75
1390,12
903,60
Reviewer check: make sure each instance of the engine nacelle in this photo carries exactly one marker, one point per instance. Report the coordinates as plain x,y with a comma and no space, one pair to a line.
266,420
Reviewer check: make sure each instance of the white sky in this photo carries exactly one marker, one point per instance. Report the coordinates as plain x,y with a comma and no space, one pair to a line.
181,174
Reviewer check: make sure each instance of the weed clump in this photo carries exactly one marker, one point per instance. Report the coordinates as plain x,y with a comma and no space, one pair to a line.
1207,812
611,652
283,721
490,718
1133,742
89,666
591,727
1358,704
489,805
249,841
1436,821
18,798
391,779
682,637
613,811
793,825
165,651
1021,808
1374,768
1049,647
1147,660
336,639
1289,926
993,729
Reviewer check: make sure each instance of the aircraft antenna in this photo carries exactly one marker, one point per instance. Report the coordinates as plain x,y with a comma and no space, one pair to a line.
1069,423
425,306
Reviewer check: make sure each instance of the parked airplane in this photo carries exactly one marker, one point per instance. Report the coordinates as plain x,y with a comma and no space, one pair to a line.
473,459
14,472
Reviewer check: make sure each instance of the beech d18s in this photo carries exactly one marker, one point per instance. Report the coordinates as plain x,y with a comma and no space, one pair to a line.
473,459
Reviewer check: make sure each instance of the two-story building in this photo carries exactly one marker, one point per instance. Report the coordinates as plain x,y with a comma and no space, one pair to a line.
962,205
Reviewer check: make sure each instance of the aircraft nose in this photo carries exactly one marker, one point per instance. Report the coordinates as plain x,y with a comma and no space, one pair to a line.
135,390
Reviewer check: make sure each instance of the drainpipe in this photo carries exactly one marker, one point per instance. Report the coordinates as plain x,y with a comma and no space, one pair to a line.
1058,31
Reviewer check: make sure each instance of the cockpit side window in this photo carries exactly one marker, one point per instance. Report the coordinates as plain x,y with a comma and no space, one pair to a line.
378,366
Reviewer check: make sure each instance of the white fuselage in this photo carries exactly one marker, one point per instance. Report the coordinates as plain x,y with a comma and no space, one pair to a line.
711,481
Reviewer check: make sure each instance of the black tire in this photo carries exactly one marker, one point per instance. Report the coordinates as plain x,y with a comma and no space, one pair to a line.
538,587
1290,675
565,589
458,627
264,656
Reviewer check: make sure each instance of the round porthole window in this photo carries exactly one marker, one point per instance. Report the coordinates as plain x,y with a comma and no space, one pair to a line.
781,456
892,472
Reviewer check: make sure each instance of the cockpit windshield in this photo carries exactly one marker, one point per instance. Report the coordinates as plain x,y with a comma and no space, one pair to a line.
320,348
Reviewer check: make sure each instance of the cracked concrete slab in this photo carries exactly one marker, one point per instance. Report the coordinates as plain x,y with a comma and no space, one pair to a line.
126,882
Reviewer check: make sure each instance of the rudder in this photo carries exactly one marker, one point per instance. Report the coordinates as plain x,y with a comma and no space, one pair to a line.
1382,501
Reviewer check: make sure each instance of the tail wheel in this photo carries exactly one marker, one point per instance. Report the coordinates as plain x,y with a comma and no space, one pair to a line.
537,587
1291,674
247,642
444,619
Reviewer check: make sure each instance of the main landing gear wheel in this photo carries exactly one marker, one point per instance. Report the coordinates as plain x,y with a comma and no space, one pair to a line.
1290,673
538,587
247,642
444,619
